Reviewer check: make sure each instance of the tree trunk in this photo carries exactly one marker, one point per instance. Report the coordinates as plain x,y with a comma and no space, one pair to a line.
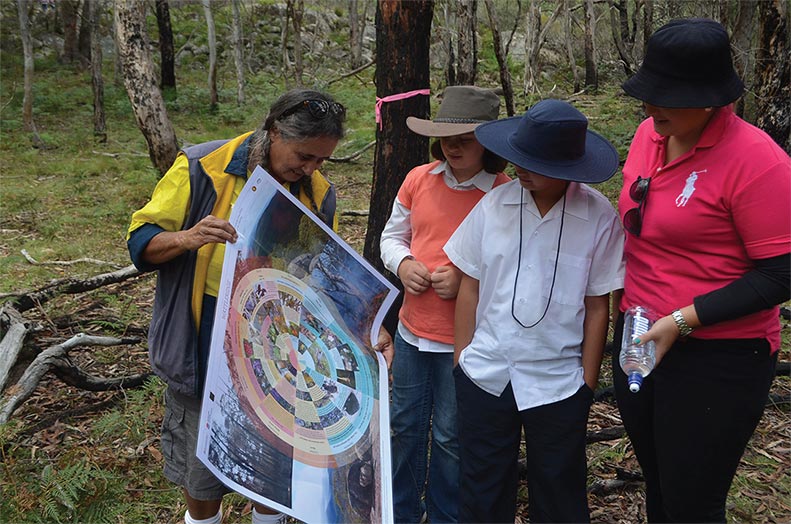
97,82
167,66
648,22
403,38
568,37
502,59
532,31
773,73
450,42
742,44
141,83
619,26
84,38
297,13
284,26
468,42
356,31
591,73
68,15
27,51
238,52
212,40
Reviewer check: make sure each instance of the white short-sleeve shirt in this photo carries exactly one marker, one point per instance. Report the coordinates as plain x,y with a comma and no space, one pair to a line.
543,363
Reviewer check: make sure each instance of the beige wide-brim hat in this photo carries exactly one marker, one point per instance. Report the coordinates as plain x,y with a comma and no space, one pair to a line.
463,108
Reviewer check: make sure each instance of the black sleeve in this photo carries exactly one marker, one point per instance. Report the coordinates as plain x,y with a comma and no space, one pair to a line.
763,287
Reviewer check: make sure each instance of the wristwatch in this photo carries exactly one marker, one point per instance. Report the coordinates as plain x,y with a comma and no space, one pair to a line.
683,327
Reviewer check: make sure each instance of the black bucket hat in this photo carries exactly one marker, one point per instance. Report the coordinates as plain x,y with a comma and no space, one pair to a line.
687,64
551,139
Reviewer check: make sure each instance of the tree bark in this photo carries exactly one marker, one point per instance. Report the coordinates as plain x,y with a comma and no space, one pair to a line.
68,15
238,52
619,26
27,50
141,83
86,30
569,42
468,42
502,59
532,31
97,82
591,72
742,37
297,11
212,40
648,22
167,65
773,73
356,32
16,330
403,37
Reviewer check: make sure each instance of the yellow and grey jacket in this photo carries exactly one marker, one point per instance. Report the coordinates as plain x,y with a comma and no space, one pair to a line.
205,179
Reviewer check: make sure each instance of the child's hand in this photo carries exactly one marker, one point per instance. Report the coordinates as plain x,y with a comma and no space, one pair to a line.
414,275
445,281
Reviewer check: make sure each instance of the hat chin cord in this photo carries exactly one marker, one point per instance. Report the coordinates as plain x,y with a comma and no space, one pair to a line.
519,261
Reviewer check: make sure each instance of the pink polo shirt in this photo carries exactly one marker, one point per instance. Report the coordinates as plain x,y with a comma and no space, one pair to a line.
707,215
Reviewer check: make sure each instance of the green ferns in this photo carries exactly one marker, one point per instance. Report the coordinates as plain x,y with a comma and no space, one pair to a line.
78,492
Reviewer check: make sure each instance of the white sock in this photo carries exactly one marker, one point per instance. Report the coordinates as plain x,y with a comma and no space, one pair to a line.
263,518
217,519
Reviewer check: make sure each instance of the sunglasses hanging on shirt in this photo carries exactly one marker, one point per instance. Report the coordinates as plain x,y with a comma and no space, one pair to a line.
519,263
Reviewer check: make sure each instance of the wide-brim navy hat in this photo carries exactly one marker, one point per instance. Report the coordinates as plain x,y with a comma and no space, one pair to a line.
551,139
687,64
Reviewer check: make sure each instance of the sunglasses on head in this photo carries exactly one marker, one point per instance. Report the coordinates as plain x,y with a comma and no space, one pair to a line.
318,109
633,219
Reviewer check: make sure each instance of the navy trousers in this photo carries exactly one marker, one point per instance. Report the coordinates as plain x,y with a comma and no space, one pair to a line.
490,430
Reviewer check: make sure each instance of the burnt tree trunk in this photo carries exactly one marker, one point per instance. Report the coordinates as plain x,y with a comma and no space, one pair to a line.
141,83
403,31
167,65
773,73
68,16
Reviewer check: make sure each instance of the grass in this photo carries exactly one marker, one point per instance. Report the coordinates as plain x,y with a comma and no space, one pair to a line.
73,199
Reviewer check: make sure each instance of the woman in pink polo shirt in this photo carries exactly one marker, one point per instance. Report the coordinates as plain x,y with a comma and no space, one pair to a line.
431,203
706,205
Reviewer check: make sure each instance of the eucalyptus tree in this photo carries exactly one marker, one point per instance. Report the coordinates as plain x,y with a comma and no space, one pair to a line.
140,80
403,38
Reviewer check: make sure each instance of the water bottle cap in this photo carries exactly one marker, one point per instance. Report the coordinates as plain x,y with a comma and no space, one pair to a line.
635,381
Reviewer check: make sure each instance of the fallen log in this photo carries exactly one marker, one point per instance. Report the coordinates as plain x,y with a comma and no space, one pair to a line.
30,299
17,394
74,376
12,341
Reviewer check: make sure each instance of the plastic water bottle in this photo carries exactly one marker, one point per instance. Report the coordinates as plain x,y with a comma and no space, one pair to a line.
637,361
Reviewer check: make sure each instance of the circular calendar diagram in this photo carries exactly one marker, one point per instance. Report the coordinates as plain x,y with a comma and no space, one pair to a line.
302,380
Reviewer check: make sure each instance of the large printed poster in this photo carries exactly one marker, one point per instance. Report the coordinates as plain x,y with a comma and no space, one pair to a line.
295,410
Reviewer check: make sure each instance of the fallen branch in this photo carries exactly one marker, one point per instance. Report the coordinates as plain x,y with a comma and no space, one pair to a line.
354,155
12,341
355,213
67,262
605,434
21,391
31,299
116,155
74,376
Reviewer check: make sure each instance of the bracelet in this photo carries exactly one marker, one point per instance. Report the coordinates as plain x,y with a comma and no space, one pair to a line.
683,327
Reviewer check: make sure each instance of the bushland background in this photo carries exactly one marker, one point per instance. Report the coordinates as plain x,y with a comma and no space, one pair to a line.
84,444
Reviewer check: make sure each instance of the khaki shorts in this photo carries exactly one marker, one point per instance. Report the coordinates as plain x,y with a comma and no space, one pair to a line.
179,442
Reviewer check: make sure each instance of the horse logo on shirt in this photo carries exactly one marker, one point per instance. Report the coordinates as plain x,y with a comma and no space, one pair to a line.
689,188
